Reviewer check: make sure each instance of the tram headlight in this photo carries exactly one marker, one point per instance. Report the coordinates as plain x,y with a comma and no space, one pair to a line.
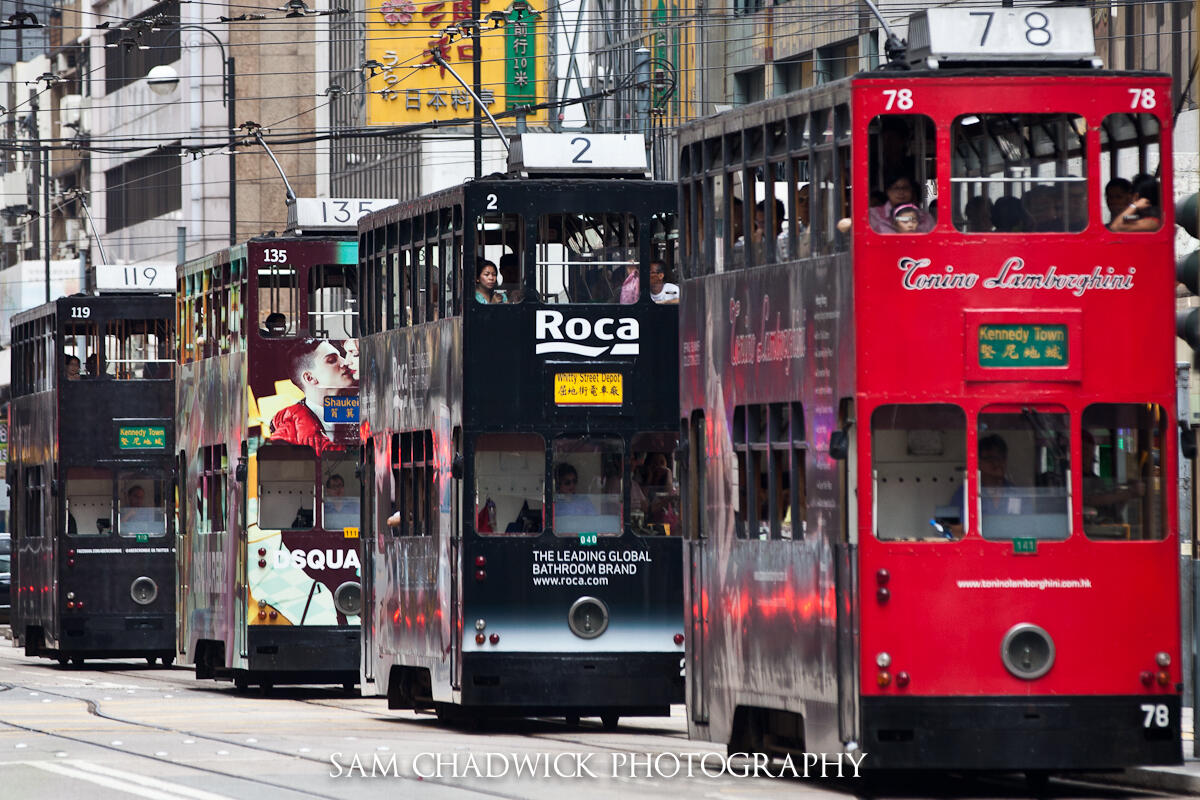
143,590
1163,660
480,624
347,598
1027,651
883,660
588,617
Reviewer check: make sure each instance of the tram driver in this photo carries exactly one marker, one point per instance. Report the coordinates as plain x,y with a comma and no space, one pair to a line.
136,516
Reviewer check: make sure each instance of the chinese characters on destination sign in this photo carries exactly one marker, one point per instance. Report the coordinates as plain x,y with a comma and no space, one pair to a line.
1022,345
147,437
588,388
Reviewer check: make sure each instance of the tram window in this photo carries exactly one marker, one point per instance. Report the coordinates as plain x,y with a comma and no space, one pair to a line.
918,464
589,478
332,304
903,170
138,349
89,493
80,340
793,242
34,502
210,494
141,506
277,305
587,258
1129,158
500,239
510,483
1023,473
414,478
769,467
654,508
1122,486
286,480
719,204
1030,168
340,491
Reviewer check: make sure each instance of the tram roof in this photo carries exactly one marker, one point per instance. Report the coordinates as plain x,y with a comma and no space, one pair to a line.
130,301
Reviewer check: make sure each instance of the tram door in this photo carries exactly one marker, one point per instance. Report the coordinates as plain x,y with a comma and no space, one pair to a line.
240,543
696,544
456,565
846,551
368,537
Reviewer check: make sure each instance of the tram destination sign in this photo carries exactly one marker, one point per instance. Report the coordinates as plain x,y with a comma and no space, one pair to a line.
971,33
142,437
589,389
1009,346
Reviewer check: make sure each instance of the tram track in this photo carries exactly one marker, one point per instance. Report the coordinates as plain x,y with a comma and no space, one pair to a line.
94,708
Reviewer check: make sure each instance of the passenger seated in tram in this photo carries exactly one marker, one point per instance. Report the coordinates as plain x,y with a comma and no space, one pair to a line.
93,365
1105,502
510,280
661,291
274,326
977,214
1118,194
529,520
783,244
994,489
1144,212
905,219
1043,205
1008,216
900,190
485,283
137,517
72,368
566,501
339,511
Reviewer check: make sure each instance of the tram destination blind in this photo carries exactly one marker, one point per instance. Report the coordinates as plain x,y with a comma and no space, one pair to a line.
1009,346
589,389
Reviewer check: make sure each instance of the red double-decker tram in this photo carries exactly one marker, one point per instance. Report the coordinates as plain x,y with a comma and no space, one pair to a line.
928,374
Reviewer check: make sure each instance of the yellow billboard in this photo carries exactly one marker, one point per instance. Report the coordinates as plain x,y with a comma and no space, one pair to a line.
409,86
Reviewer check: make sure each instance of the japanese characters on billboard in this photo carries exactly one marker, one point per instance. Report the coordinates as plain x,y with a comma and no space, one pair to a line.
410,87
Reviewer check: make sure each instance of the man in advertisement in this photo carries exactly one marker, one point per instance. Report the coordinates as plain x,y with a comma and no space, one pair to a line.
321,370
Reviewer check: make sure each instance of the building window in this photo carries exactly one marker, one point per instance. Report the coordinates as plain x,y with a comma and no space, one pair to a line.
144,188
131,50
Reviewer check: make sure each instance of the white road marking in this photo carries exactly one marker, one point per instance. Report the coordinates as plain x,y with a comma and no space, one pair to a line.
132,783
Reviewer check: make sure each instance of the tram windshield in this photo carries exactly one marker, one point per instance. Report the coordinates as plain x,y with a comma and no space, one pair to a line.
1122,471
919,462
141,505
89,493
286,480
339,492
588,485
1023,478
510,473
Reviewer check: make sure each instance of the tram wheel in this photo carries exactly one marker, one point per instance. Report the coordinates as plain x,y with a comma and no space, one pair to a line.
150,660
62,660
77,661
241,684
265,688
610,721
348,687
167,660
572,720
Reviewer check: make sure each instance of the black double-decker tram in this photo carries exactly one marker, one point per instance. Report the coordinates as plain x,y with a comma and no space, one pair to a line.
521,551
91,470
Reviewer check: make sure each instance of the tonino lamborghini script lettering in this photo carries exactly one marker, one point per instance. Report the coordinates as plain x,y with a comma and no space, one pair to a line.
1012,276
556,333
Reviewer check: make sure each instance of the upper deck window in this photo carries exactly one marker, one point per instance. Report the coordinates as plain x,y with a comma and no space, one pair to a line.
587,258
1129,160
903,168
277,305
1019,173
81,350
137,349
500,244
332,305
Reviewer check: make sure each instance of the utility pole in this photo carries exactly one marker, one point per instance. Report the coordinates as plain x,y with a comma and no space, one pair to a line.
41,179
477,84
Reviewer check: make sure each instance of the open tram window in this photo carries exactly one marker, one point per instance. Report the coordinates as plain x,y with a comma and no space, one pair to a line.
89,501
141,505
510,484
500,241
286,478
1023,473
340,490
332,304
1121,466
654,503
277,302
1129,162
210,493
33,503
903,172
138,349
587,258
1019,173
769,448
918,464
80,350
413,476
589,478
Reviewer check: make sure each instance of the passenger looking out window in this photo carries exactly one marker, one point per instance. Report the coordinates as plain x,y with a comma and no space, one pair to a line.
900,190
72,368
1144,212
1118,196
905,219
485,284
978,214
661,291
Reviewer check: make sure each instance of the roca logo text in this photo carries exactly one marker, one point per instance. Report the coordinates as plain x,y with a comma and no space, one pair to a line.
558,334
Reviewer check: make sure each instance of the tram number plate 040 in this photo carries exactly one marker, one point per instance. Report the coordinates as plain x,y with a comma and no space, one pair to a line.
588,388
